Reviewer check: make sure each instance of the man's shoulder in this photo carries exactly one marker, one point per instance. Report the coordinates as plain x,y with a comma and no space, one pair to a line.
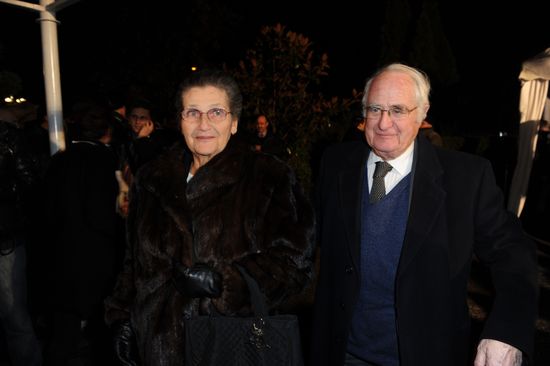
346,148
455,157
452,163
274,137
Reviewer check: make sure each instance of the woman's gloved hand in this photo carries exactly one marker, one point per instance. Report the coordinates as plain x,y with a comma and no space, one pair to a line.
199,280
124,343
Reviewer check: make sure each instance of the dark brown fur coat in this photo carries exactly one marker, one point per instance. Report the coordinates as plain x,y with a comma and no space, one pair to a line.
241,207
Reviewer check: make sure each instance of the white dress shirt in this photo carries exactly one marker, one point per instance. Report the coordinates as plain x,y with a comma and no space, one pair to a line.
401,166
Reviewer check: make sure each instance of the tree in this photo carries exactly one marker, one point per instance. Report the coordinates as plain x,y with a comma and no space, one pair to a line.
413,33
281,77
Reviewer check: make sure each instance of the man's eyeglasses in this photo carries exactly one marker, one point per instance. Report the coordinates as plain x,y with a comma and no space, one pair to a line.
214,114
395,112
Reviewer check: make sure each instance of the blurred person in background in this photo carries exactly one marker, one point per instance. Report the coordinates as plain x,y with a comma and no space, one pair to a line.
17,176
265,140
81,191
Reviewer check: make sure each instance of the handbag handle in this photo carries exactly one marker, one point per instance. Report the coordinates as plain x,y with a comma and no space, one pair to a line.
258,303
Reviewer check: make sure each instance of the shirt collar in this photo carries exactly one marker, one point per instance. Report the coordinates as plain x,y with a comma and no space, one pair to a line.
402,164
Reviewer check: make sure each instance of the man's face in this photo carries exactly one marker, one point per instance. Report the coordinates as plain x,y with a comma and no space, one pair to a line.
387,135
138,118
261,125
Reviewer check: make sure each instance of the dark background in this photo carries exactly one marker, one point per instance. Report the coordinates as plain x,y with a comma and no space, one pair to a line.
107,45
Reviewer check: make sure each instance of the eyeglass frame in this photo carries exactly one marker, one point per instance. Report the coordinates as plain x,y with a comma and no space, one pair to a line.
395,108
201,113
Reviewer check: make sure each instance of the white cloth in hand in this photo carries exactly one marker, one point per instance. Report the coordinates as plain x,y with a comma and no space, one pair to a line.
491,352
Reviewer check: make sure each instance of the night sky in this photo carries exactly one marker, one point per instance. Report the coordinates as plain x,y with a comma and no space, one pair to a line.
99,41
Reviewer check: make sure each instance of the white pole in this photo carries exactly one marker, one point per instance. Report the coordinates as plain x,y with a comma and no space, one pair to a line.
52,79
23,4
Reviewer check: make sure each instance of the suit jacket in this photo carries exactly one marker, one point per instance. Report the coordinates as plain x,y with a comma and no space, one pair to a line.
456,211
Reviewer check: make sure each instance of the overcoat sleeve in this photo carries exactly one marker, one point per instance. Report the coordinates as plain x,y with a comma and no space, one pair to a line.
511,258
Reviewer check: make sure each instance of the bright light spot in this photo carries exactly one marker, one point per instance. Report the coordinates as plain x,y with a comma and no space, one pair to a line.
12,99
194,68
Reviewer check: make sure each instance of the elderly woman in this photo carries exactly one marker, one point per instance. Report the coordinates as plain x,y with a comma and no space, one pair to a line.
195,214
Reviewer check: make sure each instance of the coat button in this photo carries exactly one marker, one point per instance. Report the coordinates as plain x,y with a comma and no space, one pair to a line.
349,270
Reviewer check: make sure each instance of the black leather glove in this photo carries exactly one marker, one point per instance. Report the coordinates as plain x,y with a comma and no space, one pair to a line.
197,281
124,343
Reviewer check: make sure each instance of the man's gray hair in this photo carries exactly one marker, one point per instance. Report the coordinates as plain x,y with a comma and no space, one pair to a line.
420,79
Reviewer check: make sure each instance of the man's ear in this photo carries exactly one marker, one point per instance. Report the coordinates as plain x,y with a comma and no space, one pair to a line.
425,110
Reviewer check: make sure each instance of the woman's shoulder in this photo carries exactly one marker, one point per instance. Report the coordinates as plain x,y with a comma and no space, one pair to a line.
167,166
252,161
268,164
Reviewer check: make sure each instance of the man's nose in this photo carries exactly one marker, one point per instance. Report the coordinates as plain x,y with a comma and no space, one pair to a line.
385,120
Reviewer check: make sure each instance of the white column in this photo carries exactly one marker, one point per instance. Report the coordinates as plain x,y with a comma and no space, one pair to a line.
52,79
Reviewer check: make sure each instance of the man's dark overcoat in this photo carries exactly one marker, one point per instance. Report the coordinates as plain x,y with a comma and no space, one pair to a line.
241,207
81,193
456,211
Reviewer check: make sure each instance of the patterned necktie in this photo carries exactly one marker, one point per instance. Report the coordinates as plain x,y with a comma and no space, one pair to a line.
378,188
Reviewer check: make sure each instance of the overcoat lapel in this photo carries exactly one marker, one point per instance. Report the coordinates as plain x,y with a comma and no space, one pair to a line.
350,184
428,197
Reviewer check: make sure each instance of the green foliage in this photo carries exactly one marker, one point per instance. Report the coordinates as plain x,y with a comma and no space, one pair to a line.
281,77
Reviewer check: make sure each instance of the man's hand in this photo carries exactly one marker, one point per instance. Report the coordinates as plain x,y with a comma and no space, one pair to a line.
146,129
122,198
494,353
122,204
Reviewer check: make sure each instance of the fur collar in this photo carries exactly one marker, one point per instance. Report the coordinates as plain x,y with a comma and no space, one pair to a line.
166,176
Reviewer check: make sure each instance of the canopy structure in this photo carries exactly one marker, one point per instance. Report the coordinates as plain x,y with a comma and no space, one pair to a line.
50,59
534,106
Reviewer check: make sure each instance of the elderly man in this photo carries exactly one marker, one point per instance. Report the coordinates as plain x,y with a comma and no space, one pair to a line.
397,243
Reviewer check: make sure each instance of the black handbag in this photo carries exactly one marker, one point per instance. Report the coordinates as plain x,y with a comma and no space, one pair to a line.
260,340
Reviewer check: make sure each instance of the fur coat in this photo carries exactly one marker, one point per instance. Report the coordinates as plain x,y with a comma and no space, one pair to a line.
241,207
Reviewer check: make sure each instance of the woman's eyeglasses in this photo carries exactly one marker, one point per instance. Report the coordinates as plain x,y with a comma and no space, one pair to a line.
213,114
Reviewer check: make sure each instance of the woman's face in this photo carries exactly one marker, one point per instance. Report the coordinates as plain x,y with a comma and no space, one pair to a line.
205,137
